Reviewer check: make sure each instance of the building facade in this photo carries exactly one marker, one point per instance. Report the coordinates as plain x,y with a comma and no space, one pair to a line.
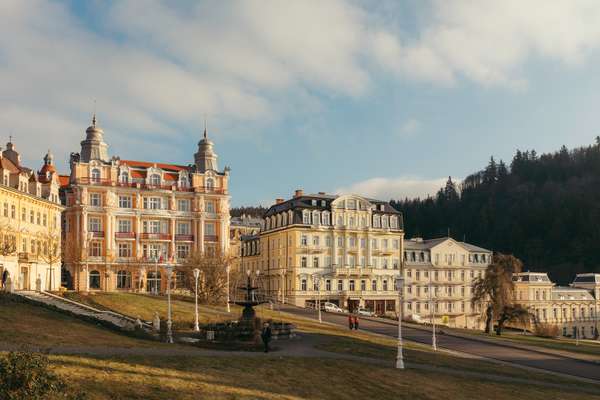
438,279
126,220
342,249
29,223
572,309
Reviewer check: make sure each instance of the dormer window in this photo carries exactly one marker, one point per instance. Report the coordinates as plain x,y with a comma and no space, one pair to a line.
314,202
124,177
210,184
305,217
95,175
155,180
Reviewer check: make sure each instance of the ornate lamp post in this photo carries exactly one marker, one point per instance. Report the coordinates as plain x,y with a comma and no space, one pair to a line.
196,276
399,355
432,307
228,269
169,270
317,282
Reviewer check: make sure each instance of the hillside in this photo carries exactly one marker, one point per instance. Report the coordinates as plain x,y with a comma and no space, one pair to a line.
545,209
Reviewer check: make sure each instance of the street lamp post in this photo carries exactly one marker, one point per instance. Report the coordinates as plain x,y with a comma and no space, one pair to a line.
399,355
169,270
196,276
317,281
156,259
228,269
432,307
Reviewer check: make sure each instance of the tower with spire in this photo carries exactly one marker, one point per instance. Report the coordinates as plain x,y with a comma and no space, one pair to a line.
205,159
94,147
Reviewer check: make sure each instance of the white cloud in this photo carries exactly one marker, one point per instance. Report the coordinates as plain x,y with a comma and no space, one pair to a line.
394,188
409,128
488,41
157,66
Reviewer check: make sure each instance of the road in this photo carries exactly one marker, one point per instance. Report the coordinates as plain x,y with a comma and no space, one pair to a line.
524,357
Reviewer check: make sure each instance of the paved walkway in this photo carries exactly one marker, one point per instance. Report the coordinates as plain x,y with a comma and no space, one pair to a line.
304,346
554,363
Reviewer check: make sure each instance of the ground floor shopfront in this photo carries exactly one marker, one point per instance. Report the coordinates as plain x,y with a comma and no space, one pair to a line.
147,278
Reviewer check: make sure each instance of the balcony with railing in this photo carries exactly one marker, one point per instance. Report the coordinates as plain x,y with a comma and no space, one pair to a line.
353,271
155,236
184,238
143,185
125,235
211,238
97,234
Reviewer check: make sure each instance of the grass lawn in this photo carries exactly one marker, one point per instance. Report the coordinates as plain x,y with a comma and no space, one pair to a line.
144,306
273,378
255,376
25,324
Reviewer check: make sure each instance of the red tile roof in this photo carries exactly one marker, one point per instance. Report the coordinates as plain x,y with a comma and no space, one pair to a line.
138,174
171,177
144,164
64,180
9,165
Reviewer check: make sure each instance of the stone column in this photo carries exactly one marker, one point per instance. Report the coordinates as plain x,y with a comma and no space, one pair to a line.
201,234
369,251
173,237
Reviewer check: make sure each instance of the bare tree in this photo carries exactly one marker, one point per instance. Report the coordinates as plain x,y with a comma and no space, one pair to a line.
8,240
49,251
212,284
496,289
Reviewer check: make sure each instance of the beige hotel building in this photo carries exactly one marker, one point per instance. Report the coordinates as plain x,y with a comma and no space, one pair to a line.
347,249
29,223
350,250
125,220
572,309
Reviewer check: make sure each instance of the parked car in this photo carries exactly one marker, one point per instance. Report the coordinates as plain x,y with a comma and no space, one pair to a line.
365,312
330,307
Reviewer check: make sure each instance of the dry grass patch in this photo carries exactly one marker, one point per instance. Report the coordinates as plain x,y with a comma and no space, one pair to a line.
272,378
26,324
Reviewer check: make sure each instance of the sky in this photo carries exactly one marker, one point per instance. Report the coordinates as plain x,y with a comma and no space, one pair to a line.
384,99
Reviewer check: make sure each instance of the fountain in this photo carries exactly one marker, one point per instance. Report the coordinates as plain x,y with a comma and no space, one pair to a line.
249,301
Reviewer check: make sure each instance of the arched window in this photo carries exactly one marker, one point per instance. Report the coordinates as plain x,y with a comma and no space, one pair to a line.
124,177
183,181
316,219
210,184
305,217
95,175
94,280
153,282
155,180
123,280
326,218
340,220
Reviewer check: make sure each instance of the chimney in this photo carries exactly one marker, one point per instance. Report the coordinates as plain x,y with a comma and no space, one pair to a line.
279,201
322,193
299,193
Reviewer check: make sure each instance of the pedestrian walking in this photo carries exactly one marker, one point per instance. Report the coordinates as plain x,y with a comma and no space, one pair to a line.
4,277
356,322
266,336
350,321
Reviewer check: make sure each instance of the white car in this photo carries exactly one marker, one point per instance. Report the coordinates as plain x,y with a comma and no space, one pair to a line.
330,307
365,312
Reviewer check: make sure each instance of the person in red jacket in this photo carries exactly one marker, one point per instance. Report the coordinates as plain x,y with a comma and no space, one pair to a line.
355,322
350,322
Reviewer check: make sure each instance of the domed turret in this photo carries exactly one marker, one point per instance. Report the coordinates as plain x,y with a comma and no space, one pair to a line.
93,147
48,166
205,158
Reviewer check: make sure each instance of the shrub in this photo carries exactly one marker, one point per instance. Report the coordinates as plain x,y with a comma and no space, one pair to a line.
25,375
546,330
